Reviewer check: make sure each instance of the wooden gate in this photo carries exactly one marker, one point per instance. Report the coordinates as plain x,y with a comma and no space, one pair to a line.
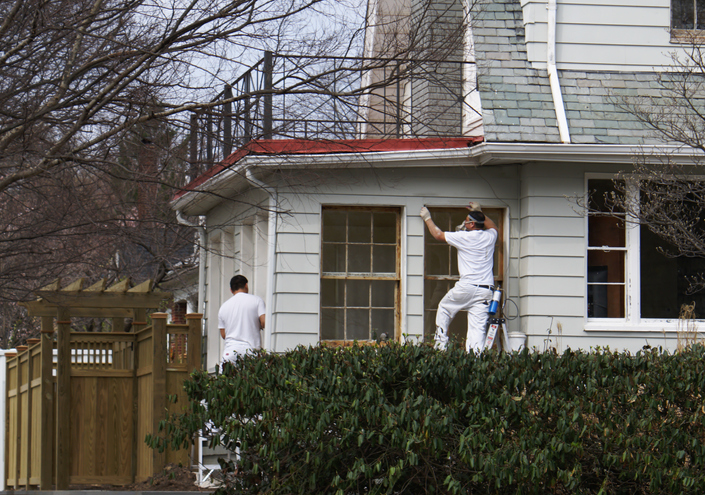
80,404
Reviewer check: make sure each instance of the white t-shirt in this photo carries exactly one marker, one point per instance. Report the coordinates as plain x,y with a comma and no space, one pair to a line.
475,254
239,316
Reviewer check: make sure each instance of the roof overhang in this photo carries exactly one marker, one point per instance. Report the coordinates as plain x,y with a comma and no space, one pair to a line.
230,177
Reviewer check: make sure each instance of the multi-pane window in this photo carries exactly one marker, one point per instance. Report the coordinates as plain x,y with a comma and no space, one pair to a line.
658,284
441,268
606,254
359,273
687,14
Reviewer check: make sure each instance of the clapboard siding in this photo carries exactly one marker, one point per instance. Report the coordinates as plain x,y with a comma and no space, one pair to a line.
553,206
298,323
297,303
561,286
296,298
552,253
552,306
289,242
304,283
300,223
553,183
549,226
601,35
553,246
287,341
552,265
298,263
536,328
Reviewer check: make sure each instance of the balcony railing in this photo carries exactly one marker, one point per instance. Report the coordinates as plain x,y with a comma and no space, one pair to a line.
328,98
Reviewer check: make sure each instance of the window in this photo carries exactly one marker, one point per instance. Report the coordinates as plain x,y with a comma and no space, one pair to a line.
606,254
441,268
688,14
360,274
628,275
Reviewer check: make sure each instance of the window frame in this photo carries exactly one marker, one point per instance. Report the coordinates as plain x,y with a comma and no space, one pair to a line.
384,276
498,214
685,35
632,322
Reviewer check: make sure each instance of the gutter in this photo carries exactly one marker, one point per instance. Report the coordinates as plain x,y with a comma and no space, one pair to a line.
553,73
230,179
202,245
269,335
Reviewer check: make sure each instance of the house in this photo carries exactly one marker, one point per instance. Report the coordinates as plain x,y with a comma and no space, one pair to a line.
329,233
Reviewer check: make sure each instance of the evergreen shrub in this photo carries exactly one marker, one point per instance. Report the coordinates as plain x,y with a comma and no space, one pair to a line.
410,419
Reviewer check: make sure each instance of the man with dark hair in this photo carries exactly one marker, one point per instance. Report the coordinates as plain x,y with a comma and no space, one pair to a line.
240,320
475,240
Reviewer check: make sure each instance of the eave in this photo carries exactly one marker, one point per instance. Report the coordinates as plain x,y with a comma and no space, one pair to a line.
229,178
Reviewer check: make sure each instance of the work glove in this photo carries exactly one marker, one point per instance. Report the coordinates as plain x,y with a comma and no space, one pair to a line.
473,206
425,214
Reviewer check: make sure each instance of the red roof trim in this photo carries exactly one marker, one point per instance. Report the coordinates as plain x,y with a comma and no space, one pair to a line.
308,147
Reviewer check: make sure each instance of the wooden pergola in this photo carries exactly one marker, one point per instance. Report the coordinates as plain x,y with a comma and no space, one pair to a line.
117,301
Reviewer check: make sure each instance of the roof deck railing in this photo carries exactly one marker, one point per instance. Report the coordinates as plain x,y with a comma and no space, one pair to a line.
329,98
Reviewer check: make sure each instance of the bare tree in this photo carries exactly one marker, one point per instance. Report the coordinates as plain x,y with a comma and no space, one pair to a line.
96,105
664,192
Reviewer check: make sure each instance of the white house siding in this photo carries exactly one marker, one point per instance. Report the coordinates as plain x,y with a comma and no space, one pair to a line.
235,245
552,266
297,279
545,265
615,35
297,282
552,247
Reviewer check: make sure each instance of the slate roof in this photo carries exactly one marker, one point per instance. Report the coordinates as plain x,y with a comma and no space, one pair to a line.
516,98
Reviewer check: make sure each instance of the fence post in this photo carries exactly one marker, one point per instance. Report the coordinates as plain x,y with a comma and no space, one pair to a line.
139,322
159,354
7,441
18,415
30,410
63,400
5,387
46,430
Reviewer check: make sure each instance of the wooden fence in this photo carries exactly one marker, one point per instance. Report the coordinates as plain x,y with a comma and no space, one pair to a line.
80,406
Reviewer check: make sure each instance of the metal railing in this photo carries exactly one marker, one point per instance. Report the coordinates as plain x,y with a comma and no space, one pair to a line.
308,97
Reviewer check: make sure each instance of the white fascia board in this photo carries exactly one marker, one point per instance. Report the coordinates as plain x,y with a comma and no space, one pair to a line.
503,153
233,179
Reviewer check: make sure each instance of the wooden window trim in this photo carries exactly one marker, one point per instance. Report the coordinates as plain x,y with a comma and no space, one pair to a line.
383,276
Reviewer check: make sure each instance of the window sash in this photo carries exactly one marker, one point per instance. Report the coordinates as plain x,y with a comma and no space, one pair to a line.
687,15
349,316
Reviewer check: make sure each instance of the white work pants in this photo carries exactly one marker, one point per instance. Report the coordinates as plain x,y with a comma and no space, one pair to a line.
234,350
475,300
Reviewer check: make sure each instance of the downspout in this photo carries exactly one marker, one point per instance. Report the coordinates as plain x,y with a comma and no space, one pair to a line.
202,240
269,334
553,74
